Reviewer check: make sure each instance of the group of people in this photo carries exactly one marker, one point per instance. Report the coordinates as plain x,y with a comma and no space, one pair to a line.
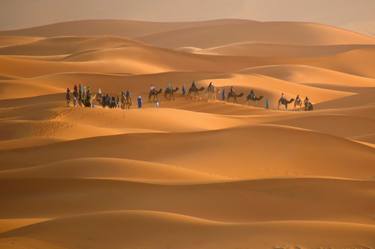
83,96
308,106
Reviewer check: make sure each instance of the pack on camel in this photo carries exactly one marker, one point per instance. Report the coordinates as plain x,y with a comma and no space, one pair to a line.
169,92
232,95
253,97
211,91
194,91
153,95
283,101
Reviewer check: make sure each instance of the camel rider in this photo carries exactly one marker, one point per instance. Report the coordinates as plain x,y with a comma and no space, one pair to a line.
282,96
298,99
152,88
306,101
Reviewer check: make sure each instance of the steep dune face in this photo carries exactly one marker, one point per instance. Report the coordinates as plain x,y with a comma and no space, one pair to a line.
194,172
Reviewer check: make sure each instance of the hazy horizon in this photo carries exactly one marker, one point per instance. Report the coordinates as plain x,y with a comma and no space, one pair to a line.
349,14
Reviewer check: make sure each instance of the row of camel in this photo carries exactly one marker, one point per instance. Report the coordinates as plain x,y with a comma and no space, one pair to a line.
212,92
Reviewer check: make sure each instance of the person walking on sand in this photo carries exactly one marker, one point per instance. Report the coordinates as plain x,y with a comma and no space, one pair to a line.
84,93
75,96
80,94
183,90
223,94
67,97
139,102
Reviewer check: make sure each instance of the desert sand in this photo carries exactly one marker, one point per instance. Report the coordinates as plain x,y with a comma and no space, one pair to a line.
192,173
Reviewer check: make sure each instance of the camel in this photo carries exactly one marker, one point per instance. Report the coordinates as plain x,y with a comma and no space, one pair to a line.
232,95
169,93
193,91
154,95
253,97
285,102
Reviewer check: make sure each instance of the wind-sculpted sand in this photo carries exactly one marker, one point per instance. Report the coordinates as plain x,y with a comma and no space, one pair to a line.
193,173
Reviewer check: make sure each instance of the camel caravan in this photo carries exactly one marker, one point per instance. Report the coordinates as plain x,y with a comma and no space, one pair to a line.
84,97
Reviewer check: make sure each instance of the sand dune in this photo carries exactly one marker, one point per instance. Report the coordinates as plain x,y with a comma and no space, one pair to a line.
110,168
278,50
257,32
318,199
351,127
243,147
357,62
65,45
173,230
193,173
310,75
126,28
16,40
225,31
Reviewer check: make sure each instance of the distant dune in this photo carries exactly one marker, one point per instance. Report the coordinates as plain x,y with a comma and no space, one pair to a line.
203,34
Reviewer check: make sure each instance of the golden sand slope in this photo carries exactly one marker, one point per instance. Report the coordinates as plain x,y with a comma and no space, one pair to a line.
192,173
